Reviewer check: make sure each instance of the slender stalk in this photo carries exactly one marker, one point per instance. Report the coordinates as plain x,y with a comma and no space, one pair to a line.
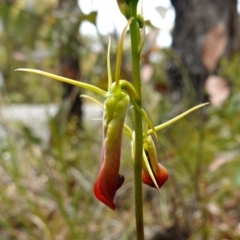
135,34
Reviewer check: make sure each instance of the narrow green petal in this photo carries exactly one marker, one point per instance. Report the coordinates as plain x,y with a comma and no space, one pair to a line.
159,127
92,99
109,66
149,169
66,80
119,54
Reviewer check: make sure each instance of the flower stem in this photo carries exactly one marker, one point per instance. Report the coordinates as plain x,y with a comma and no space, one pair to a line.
135,39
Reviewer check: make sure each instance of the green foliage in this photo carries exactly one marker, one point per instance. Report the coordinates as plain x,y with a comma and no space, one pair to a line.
230,69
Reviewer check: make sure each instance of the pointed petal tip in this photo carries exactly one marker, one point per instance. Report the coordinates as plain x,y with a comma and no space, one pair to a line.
98,194
105,194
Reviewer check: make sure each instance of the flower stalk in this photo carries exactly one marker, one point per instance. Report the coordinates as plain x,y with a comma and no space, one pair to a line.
138,153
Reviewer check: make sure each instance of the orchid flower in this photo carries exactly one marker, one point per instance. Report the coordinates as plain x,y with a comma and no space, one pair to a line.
154,173
120,93
118,97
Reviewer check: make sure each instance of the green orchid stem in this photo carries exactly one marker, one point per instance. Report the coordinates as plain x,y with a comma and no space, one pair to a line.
135,33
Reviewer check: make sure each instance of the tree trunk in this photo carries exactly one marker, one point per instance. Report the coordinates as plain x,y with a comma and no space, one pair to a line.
204,31
69,59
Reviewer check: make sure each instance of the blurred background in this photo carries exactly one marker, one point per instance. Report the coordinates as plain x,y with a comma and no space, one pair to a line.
50,138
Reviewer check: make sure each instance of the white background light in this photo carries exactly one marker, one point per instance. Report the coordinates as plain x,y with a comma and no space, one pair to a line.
110,18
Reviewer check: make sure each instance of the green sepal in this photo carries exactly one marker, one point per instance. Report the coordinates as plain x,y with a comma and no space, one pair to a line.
109,65
159,127
119,54
66,80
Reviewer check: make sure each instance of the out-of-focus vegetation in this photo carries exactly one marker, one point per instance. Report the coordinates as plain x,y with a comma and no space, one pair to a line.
46,189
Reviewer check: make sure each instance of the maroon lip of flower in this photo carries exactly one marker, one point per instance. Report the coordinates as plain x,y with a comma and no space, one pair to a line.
105,190
155,175
109,180
160,174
